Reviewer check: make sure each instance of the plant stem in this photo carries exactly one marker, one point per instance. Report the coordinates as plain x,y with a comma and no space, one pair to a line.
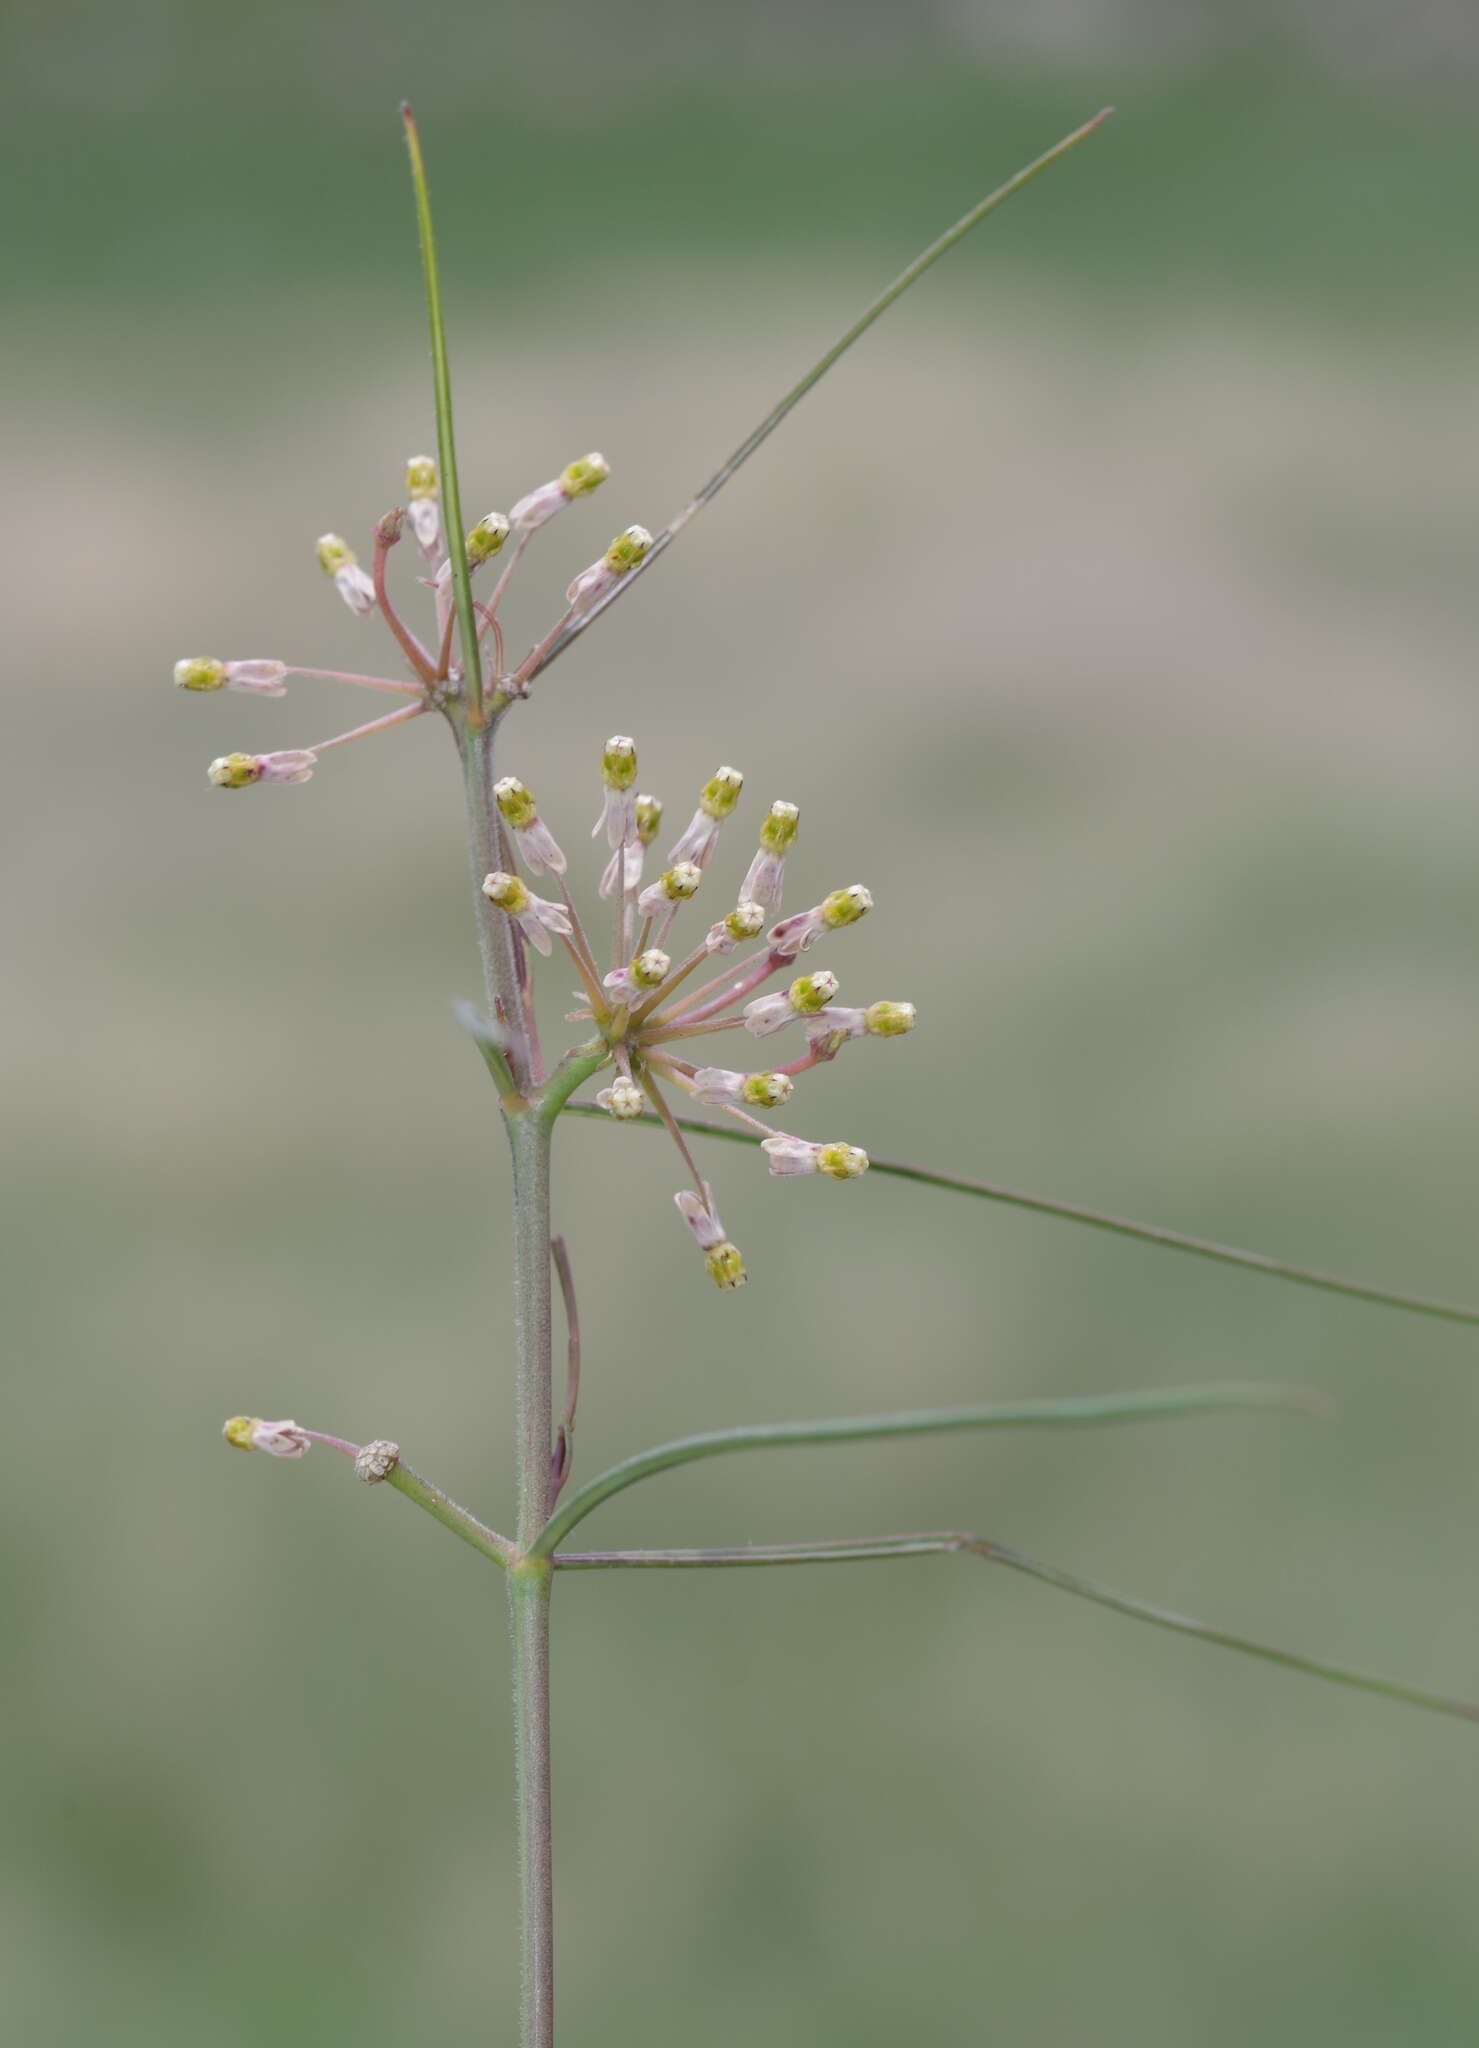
528,1619
529,1133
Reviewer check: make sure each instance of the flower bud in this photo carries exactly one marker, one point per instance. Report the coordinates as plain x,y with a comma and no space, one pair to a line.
649,818
618,806
278,1439
537,845
794,935
577,480
722,1260
625,552
337,559
888,1020
716,800
486,538
535,917
257,678
777,836
789,1156
745,921
639,977
426,513
807,995
675,885
623,1099
240,771
723,1087
724,1265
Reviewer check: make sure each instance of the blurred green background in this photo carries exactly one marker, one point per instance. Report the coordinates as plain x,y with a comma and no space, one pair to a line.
1112,614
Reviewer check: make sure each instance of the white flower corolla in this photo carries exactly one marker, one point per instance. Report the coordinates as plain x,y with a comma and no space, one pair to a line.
639,977
423,505
618,818
257,678
722,1260
536,844
535,917
240,771
723,1087
716,801
674,885
623,1099
278,1439
806,996
767,870
577,480
789,1156
827,1033
625,865
745,921
337,559
841,907
630,547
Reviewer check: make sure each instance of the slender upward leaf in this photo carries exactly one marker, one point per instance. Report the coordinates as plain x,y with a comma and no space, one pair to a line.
819,370
1153,1404
854,1549
1098,1219
472,661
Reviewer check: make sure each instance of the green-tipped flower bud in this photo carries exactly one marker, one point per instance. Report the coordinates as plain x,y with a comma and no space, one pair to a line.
623,1099
629,547
486,538
279,1439
516,801
619,762
649,819
745,921
421,477
789,1156
652,968
579,478
716,800
200,674
888,1020
724,1265
337,559
807,995
675,885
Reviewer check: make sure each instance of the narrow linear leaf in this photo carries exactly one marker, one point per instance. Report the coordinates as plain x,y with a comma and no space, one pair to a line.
1152,1404
852,1550
441,377
818,370
1120,1226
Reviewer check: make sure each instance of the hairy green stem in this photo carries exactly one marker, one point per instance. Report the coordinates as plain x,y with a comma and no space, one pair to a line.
408,1481
1099,1219
529,1580
854,1549
1073,1411
528,1622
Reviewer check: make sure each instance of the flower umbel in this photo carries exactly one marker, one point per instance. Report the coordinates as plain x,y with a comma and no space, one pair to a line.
643,1015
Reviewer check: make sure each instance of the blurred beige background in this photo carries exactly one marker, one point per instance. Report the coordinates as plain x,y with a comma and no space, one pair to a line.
1111,613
